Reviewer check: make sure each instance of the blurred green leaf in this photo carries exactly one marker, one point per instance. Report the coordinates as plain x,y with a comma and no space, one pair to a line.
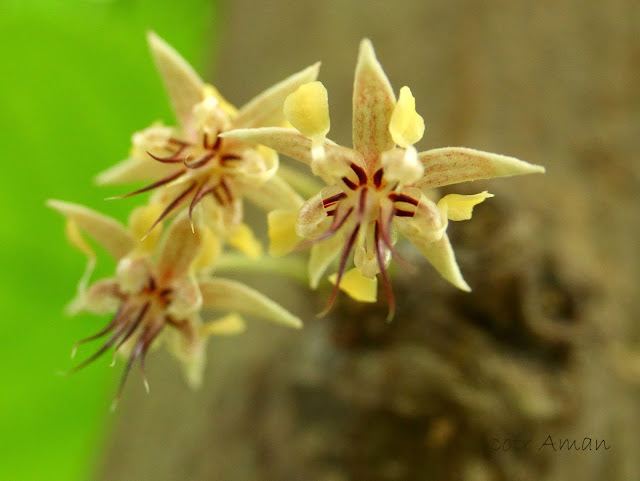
77,80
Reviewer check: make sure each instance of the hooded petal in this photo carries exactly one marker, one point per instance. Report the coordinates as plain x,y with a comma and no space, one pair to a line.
107,232
228,295
452,165
441,256
373,104
266,109
183,84
426,225
180,249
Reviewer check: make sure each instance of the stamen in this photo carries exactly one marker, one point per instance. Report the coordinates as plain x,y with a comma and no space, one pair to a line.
229,157
383,273
98,353
402,198
227,189
170,207
377,178
362,202
403,213
173,158
333,199
362,176
130,331
352,185
116,319
137,350
199,163
198,196
149,187
343,263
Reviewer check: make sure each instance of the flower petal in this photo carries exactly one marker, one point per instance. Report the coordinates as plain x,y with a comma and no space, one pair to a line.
289,142
426,225
180,249
106,231
282,232
209,252
358,287
373,104
275,193
184,85
140,221
228,295
322,255
307,109
228,325
452,165
245,241
266,109
133,169
312,217
441,256
406,125
460,207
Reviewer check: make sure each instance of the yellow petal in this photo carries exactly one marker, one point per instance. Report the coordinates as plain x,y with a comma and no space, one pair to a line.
210,91
141,220
441,256
358,287
209,252
282,232
225,326
245,241
307,109
460,207
406,125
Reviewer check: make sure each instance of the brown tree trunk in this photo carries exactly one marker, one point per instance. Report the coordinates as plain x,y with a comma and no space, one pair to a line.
459,386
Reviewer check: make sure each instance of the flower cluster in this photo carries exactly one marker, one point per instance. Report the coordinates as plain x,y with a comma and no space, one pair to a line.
200,171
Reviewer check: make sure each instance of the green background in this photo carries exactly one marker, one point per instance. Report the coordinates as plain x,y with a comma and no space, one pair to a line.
77,80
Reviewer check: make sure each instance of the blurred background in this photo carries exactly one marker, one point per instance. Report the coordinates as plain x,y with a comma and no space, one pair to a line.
553,261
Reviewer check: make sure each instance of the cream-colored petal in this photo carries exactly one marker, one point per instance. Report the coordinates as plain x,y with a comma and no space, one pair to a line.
373,104
184,85
275,193
358,287
227,295
187,346
460,207
322,255
426,225
185,299
179,250
286,141
228,325
282,232
133,273
101,297
133,169
307,110
312,217
452,165
406,125
245,241
441,256
266,109
107,232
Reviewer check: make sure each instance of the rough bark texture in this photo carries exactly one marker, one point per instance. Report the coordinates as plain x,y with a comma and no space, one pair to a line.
547,343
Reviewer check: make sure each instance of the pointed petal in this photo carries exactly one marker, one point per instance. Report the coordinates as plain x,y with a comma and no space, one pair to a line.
322,255
293,144
452,165
183,84
357,286
245,241
282,232
441,256
133,170
275,193
373,104
140,221
228,325
106,231
228,295
180,249
266,108
460,207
